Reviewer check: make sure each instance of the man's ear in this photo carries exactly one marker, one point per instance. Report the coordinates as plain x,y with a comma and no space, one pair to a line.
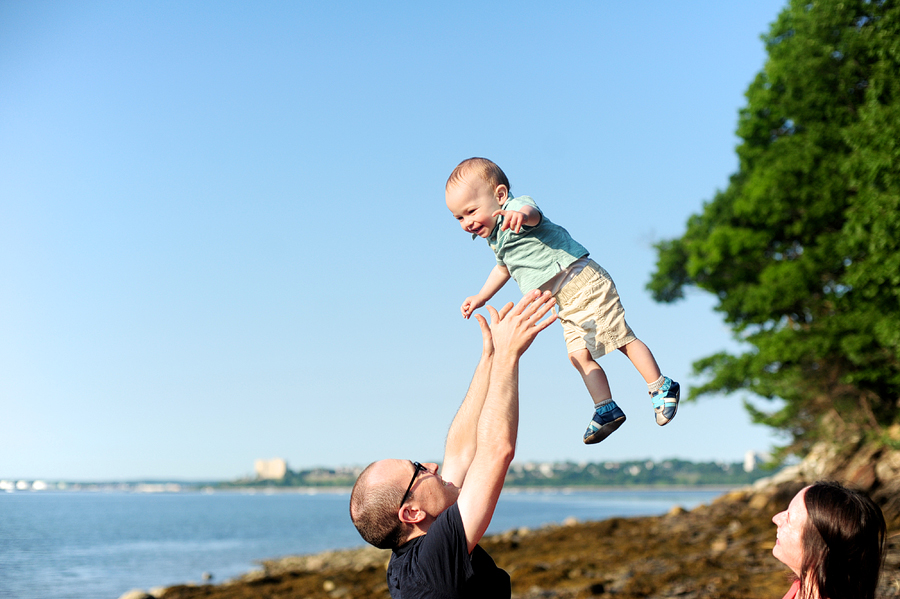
410,514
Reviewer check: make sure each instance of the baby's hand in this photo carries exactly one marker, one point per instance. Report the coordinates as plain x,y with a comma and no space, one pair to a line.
470,305
512,219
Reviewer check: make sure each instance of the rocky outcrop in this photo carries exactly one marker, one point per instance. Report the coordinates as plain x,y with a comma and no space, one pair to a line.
874,468
721,550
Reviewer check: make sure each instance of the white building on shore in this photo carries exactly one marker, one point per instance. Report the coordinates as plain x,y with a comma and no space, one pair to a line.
274,469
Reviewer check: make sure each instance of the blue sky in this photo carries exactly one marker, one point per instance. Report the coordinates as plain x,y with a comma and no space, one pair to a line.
223,235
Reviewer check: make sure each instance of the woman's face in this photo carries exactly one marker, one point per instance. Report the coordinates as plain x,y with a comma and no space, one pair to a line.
788,543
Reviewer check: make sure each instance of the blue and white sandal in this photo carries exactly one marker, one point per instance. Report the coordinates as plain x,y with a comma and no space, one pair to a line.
607,418
665,401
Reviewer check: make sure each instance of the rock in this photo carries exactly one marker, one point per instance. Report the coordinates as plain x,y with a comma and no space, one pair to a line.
759,501
719,546
358,559
136,594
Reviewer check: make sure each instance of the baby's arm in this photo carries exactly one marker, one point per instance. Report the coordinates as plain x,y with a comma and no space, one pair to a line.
495,281
516,219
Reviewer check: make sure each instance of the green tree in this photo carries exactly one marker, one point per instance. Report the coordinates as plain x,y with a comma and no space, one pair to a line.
802,249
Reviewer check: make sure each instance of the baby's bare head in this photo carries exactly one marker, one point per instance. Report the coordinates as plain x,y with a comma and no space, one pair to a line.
475,169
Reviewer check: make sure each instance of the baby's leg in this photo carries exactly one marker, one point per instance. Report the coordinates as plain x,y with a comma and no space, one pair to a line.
594,377
607,416
664,392
643,360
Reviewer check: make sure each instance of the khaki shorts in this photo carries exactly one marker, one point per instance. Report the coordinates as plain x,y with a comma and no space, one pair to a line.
592,316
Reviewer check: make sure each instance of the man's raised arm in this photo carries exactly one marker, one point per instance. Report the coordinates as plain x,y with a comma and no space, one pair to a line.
461,439
512,330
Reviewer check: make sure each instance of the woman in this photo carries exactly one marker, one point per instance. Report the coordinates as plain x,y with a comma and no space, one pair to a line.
833,540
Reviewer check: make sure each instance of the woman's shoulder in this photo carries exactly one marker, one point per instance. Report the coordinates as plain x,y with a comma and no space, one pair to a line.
793,591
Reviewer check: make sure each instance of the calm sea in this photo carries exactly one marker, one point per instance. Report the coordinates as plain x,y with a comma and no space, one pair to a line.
82,545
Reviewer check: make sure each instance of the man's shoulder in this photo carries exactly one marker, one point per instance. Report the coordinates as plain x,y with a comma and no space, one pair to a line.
438,564
448,524
435,564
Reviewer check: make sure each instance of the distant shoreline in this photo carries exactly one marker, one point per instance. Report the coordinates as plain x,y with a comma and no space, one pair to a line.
142,488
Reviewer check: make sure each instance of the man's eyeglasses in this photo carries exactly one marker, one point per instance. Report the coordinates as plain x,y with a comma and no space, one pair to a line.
418,468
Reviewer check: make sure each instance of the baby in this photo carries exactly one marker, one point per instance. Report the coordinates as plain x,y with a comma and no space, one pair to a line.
541,255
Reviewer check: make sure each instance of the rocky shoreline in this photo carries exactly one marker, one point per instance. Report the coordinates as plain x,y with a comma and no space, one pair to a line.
721,550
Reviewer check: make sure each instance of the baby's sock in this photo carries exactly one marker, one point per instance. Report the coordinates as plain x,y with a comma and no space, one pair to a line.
601,403
655,385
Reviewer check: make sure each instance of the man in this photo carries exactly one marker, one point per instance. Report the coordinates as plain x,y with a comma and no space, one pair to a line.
433,522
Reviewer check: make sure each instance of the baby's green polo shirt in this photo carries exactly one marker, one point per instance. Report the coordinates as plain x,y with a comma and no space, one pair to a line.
535,254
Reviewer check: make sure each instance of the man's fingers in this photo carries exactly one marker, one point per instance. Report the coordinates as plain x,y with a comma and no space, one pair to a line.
532,307
505,310
487,338
538,309
493,313
514,328
543,324
532,302
542,305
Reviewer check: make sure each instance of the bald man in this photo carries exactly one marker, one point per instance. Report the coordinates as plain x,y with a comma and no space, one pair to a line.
433,522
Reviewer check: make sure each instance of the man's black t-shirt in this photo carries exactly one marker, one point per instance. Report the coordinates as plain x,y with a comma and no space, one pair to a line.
438,565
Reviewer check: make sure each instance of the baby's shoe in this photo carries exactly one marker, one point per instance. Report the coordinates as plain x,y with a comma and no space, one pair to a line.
665,401
607,418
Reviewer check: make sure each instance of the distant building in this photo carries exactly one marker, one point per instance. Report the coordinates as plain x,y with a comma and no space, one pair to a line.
752,459
274,469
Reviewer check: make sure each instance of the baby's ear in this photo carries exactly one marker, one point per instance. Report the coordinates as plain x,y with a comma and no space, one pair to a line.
501,193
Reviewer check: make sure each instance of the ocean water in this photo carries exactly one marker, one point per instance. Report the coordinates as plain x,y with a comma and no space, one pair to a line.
84,545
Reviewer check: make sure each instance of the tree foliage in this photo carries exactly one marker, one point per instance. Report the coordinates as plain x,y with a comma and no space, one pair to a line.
802,249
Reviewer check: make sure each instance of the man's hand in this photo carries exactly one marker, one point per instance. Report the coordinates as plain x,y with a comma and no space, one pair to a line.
514,328
470,304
